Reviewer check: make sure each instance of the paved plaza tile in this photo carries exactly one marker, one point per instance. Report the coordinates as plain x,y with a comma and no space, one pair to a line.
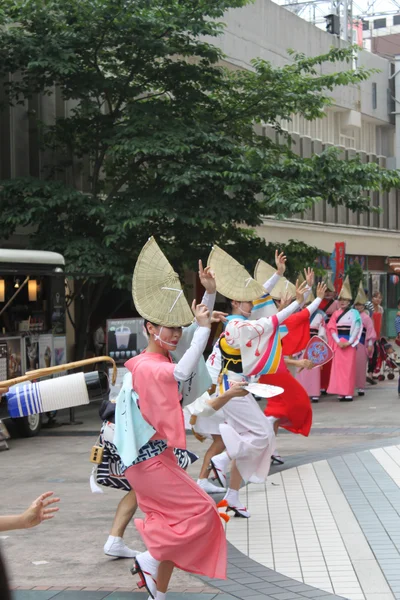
325,526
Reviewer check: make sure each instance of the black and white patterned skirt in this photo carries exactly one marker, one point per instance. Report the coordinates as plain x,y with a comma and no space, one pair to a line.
110,472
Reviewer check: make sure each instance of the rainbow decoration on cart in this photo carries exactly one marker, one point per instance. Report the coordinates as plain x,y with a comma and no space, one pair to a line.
44,396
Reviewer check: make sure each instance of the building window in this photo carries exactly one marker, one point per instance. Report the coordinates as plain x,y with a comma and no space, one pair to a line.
379,23
365,25
374,96
396,20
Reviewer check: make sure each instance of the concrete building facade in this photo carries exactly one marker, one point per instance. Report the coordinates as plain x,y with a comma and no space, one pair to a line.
360,120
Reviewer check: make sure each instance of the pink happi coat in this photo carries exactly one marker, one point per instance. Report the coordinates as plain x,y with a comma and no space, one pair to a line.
344,327
364,349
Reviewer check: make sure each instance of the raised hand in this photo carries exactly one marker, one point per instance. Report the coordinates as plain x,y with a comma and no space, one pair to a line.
321,289
207,278
202,314
309,276
219,317
280,261
300,291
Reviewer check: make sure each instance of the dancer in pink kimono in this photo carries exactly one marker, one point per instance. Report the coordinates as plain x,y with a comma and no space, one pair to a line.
344,332
310,379
182,527
365,348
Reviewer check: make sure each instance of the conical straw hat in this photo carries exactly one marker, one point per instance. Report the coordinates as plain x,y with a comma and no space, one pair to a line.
232,279
300,278
329,285
345,292
156,289
264,271
361,297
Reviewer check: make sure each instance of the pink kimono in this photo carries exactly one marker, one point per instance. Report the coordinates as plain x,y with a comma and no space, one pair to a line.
365,347
311,379
344,326
181,522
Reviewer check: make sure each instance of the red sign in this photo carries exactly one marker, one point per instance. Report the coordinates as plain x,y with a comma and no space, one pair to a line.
340,255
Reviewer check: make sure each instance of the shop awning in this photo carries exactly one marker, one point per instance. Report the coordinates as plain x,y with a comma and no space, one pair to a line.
30,261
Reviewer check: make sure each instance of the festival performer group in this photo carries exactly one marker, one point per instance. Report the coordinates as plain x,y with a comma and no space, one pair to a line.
280,343
273,326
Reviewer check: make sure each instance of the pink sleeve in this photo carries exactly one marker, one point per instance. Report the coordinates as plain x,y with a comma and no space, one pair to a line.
370,334
331,329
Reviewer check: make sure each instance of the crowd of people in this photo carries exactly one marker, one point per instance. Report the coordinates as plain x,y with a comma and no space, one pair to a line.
170,389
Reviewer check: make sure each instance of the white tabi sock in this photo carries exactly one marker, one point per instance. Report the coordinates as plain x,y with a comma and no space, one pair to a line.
232,497
161,596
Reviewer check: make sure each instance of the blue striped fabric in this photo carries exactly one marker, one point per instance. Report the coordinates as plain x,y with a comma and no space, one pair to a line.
24,400
397,325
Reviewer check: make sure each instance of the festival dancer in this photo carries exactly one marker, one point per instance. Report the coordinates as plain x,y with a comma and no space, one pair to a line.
239,310
246,349
182,526
365,348
291,410
328,305
344,332
310,379
376,316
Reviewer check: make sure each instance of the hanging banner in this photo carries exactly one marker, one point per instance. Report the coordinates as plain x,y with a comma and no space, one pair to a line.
340,255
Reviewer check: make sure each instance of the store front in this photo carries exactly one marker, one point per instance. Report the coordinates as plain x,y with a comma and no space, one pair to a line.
32,311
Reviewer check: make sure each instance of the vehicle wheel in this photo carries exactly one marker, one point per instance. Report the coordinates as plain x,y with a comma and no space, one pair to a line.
391,376
381,378
28,426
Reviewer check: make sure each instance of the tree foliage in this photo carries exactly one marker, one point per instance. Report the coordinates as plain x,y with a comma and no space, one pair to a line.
168,132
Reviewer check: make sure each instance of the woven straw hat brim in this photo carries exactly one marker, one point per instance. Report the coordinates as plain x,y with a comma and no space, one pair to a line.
232,279
345,292
361,297
328,281
263,271
157,291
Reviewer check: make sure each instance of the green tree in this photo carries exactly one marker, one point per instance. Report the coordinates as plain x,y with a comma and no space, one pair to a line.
168,135
356,274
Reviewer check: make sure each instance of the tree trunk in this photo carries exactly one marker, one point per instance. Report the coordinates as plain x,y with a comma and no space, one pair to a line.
87,302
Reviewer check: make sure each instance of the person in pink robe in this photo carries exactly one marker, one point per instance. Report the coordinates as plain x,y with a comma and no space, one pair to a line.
182,526
310,379
365,348
344,332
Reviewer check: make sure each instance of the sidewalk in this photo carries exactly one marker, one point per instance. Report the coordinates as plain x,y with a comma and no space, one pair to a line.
306,538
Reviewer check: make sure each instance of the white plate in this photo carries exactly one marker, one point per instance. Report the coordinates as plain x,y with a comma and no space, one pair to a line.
263,390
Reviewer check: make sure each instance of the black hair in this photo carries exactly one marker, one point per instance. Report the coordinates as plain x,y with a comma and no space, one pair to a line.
146,321
4,587
398,301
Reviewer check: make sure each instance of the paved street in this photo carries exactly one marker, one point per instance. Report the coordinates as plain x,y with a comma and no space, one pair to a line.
328,521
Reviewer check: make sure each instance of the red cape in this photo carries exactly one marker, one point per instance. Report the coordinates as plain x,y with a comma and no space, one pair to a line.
298,335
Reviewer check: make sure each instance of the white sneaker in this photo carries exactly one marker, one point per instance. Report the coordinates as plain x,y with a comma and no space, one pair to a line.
219,466
209,487
115,546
